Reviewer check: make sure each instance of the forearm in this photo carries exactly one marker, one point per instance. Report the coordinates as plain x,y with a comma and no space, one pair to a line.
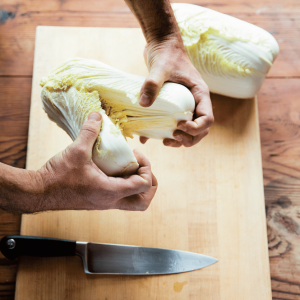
156,18
20,190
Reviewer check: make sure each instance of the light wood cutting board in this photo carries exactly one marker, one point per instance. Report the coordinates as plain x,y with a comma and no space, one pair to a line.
210,197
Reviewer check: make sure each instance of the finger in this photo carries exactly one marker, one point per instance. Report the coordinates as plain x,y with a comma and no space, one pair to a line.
154,181
139,202
124,187
82,148
152,86
133,203
134,184
90,130
183,138
145,53
203,111
143,139
145,167
197,126
189,141
171,143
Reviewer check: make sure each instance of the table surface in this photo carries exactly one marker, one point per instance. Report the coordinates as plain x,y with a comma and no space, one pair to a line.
277,101
218,211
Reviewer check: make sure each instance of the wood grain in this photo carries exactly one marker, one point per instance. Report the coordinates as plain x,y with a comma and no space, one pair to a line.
10,224
279,129
14,117
201,205
279,126
256,6
16,55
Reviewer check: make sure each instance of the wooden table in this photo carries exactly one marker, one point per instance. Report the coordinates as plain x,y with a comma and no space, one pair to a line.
278,107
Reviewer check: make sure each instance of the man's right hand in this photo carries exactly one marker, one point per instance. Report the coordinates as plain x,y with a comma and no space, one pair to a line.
71,180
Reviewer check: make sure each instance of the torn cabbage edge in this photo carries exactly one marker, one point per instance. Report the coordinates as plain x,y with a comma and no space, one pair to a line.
80,86
232,56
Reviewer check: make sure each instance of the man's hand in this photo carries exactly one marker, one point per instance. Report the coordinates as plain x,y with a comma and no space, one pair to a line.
72,180
167,60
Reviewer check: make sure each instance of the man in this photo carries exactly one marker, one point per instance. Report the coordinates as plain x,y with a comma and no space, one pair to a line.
70,180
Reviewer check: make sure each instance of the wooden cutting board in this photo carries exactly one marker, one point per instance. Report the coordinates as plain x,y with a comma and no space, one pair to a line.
210,197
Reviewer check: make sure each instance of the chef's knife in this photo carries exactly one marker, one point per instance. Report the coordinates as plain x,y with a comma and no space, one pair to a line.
108,258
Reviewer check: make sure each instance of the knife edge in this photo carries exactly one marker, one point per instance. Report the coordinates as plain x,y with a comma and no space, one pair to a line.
114,259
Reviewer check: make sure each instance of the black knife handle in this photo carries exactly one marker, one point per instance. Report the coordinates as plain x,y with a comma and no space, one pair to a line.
13,246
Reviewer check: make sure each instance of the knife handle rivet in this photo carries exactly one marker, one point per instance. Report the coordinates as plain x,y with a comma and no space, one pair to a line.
11,244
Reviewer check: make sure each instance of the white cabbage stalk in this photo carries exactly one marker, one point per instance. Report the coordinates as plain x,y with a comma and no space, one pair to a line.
80,86
232,56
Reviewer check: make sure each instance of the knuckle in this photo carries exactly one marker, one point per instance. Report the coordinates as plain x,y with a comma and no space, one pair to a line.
80,150
143,206
209,121
89,127
147,185
202,86
178,76
193,130
188,144
202,90
205,89
142,186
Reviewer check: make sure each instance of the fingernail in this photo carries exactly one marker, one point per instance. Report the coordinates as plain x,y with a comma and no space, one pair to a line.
178,138
145,100
181,127
94,116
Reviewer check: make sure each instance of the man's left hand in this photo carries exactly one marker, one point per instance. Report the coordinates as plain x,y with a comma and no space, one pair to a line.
167,60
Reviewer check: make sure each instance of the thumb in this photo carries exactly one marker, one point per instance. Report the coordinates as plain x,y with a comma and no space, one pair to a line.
151,87
90,130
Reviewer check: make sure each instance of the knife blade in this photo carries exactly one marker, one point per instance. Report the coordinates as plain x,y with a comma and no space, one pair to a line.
109,259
